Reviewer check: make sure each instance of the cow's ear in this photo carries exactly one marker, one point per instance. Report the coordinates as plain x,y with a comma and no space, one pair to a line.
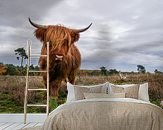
75,36
40,34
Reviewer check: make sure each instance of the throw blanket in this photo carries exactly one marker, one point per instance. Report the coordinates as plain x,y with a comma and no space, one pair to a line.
106,114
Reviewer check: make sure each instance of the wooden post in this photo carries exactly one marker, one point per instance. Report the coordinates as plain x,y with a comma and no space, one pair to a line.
47,108
27,82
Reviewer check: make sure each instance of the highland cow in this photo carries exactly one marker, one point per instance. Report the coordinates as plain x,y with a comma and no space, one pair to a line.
64,56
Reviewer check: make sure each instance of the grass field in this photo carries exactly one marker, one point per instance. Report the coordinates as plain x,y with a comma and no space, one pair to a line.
12,90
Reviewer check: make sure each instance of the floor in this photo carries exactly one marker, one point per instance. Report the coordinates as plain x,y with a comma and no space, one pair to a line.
18,126
15,121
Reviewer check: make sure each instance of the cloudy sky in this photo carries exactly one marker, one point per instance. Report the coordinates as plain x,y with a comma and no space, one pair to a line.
124,33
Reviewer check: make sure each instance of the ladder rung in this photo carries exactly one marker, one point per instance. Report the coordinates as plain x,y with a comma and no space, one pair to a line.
37,55
38,89
36,105
37,71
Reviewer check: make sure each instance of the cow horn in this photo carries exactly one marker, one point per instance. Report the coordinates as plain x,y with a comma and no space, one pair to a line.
37,25
83,29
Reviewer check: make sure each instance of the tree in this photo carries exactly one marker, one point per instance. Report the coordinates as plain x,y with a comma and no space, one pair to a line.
157,71
113,71
103,70
21,54
3,69
11,69
141,69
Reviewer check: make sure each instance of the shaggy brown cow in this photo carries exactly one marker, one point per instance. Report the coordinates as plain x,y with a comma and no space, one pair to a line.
64,56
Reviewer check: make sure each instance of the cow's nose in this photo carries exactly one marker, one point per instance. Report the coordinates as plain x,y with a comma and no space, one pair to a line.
59,58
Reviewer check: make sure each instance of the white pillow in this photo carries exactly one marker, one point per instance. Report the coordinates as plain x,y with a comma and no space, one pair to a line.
143,92
71,93
71,90
130,90
103,95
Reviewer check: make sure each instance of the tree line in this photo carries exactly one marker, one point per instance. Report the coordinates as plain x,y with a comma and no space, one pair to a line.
140,69
10,69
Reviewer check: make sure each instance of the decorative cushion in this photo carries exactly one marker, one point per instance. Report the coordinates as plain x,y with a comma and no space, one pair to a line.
76,92
130,90
79,91
103,95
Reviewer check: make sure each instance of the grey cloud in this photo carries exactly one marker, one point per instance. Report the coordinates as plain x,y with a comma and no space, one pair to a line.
15,13
14,26
121,29
142,46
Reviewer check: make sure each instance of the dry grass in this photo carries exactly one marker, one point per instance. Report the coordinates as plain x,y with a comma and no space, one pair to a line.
14,85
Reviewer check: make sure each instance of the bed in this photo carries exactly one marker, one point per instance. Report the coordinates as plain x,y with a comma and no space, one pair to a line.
106,107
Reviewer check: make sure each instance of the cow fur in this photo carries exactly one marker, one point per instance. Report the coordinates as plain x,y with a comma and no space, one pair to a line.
61,42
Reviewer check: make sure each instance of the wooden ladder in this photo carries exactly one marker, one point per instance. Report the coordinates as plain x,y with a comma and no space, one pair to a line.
27,81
